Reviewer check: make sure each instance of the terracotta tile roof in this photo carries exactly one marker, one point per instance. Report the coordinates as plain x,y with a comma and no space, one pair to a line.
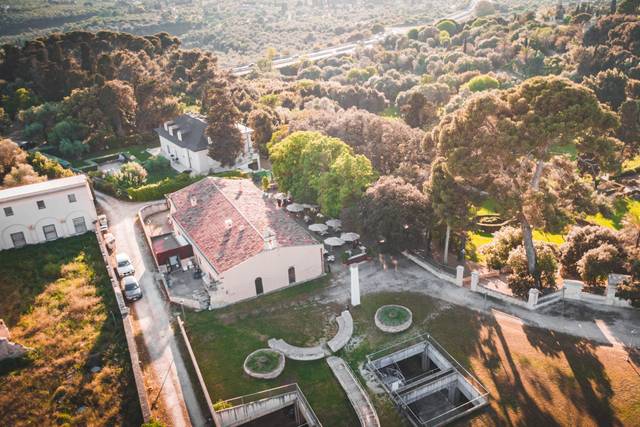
229,219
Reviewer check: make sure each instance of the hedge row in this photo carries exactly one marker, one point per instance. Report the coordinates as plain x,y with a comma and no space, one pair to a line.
157,190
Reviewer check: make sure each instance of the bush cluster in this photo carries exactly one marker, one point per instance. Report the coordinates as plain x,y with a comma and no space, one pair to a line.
156,191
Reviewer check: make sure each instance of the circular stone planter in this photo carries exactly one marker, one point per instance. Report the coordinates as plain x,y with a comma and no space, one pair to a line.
264,363
393,318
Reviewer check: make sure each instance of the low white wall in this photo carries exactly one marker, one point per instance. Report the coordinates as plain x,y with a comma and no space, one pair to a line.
431,269
502,297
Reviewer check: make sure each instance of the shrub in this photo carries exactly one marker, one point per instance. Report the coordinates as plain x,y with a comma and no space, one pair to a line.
596,264
131,174
445,38
447,25
497,252
520,281
581,240
631,292
33,130
157,164
483,82
156,191
265,183
72,148
484,8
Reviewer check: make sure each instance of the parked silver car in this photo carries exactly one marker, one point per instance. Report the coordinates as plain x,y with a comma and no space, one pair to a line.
131,288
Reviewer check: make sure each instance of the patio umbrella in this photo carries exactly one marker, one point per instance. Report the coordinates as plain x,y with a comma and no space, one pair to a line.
318,228
280,196
334,223
349,237
333,241
295,207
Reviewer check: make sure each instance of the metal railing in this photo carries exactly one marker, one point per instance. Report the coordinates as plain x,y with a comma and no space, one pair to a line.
246,399
397,398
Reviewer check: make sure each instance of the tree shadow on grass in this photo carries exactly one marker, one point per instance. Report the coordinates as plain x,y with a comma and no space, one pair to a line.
512,394
588,372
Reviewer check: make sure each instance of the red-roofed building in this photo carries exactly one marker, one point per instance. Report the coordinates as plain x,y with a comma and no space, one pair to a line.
241,240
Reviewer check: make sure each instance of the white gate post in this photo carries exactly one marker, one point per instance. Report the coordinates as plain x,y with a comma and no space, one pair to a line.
533,298
355,285
475,278
459,275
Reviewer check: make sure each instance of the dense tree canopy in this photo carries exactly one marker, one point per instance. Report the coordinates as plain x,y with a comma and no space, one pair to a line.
397,212
316,168
502,144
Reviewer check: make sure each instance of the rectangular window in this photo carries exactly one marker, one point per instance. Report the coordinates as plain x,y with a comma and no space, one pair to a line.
50,232
18,239
41,204
8,211
72,198
79,225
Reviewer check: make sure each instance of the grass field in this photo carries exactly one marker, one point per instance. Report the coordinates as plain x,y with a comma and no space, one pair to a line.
529,372
57,300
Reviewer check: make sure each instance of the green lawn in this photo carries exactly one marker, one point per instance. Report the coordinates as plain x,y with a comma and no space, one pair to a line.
615,221
569,149
391,112
222,339
529,372
57,299
631,164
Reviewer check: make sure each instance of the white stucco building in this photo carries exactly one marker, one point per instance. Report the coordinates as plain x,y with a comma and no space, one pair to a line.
46,211
242,241
183,141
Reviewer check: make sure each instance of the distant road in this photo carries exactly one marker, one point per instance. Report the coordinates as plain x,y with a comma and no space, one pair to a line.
351,47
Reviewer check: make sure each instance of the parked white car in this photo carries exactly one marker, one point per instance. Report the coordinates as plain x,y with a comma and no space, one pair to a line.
131,288
123,265
103,223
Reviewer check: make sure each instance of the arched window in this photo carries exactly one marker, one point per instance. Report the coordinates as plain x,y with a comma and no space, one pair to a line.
292,275
259,288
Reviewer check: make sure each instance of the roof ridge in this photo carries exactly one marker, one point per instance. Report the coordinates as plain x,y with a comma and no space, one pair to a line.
213,180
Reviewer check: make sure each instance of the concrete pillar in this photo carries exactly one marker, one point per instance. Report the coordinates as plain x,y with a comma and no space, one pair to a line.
355,285
451,388
534,294
459,275
296,410
612,286
475,278
426,363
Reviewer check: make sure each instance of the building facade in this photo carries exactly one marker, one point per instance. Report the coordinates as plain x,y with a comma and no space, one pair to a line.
46,211
242,242
184,143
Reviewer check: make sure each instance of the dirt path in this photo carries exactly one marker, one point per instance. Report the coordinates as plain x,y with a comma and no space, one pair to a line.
165,367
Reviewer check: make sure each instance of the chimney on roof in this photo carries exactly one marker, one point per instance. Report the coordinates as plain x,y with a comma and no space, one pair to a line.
179,135
270,241
166,125
228,223
193,200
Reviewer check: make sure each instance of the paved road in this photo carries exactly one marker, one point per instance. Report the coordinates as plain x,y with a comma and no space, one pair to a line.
351,47
152,319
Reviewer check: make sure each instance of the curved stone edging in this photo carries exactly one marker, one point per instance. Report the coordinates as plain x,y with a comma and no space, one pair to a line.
268,375
393,329
345,331
297,353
